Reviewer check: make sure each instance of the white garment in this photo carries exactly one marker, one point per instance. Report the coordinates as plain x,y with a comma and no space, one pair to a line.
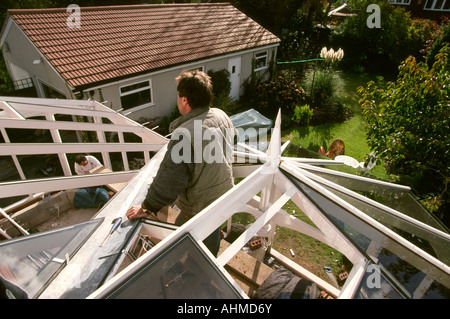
92,163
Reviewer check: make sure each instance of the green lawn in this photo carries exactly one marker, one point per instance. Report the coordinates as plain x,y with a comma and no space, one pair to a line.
352,132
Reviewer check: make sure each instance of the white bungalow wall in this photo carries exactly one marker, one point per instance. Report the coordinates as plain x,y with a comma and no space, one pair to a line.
163,83
23,54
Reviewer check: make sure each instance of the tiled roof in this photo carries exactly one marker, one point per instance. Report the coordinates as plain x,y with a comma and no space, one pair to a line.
119,41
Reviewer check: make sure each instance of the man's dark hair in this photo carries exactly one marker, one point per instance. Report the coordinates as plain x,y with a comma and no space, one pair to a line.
196,86
80,158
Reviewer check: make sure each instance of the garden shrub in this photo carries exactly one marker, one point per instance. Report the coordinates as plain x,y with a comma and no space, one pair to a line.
408,125
322,96
164,124
279,94
322,88
421,32
225,103
302,114
221,82
437,46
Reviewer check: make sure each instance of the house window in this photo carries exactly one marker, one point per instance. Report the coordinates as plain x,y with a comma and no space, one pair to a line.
261,60
406,2
51,92
136,95
200,68
437,5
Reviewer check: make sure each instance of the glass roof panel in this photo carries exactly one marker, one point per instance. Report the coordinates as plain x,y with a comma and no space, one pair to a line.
375,286
182,271
397,198
30,262
431,242
403,268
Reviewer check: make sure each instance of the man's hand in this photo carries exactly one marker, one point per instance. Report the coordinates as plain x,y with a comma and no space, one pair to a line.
135,212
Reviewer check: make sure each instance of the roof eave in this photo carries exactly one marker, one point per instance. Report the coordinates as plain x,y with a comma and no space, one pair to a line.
5,28
116,7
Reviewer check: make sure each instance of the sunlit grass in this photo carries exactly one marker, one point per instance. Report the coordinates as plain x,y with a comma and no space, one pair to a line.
352,132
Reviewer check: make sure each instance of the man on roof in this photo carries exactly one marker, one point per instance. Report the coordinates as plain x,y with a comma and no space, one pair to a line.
197,167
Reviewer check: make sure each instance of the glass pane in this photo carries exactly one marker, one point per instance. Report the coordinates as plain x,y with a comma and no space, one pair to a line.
19,135
8,170
31,261
438,5
375,286
428,241
407,268
429,4
446,5
401,200
180,272
136,99
260,62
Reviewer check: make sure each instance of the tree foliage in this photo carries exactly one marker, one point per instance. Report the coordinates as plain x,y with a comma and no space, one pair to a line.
408,124
272,14
374,48
438,44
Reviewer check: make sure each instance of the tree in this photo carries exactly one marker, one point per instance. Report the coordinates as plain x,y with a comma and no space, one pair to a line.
408,126
436,47
271,14
374,48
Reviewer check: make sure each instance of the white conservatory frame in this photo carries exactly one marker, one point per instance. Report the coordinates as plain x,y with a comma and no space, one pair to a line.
16,112
275,190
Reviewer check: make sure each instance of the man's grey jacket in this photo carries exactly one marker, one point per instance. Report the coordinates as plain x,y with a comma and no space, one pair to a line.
197,167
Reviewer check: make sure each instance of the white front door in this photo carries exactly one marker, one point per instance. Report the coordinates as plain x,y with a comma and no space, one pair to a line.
234,67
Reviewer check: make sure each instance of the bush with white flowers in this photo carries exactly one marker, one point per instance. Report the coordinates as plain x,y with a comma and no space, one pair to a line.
331,56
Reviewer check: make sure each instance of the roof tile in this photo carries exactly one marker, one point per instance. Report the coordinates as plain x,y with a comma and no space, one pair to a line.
123,40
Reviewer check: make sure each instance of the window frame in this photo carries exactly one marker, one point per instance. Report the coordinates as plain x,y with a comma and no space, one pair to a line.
400,2
138,107
433,3
47,88
264,55
200,68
